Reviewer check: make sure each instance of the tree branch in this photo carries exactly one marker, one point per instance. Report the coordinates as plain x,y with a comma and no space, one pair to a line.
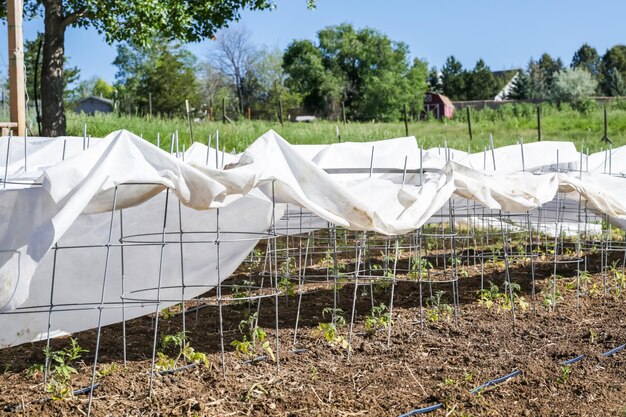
74,17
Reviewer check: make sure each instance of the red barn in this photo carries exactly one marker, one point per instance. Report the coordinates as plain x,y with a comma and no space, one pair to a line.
438,105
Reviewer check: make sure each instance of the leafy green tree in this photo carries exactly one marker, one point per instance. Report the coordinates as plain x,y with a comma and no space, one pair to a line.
613,59
573,85
481,84
370,65
586,57
418,85
94,86
135,21
307,76
364,68
103,89
271,85
164,71
453,78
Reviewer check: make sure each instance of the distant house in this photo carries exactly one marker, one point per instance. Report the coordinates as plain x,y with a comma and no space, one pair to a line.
438,106
93,104
507,79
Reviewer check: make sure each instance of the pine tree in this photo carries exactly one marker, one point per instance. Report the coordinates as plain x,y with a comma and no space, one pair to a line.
481,83
521,87
453,78
434,80
614,83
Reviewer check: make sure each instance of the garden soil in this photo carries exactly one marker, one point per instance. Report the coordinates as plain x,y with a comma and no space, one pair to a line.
427,361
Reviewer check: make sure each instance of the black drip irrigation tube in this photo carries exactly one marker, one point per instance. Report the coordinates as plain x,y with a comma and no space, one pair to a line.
19,407
182,368
265,357
505,378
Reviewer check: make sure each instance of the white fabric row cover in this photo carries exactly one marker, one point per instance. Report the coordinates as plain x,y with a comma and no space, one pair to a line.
60,237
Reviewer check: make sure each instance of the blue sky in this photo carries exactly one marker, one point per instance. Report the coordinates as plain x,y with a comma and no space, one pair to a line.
505,33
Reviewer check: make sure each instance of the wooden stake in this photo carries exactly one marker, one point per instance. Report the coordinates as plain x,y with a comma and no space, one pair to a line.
605,138
17,99
539,123
469,123
280,111
406,121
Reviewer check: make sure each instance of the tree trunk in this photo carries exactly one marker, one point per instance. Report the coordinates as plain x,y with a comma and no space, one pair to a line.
53,111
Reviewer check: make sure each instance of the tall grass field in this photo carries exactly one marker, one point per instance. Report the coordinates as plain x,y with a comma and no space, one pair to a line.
508,125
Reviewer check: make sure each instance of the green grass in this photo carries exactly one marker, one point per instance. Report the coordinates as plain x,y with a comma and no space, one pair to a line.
507,124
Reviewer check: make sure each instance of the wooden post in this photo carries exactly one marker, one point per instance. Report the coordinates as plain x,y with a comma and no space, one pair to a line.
210,110
406,121
280,111
17,99
36,81
150,105
223,110
605,138
249,115
539,123
469,123
343,111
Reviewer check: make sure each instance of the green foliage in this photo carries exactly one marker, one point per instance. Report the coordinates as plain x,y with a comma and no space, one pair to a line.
307,76
183,350
164,70
481,83
104,89
613,68
330,331
566,371
438,308
287,287
363,68
453,79
253,338
584,281
521,88
542,75
613,84
419,267
550,299
508,123
434,81
492,297
139,20
573,85
587,58
379,318
60,369
618,277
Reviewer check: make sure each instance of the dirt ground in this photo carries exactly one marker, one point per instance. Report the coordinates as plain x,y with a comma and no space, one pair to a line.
428,361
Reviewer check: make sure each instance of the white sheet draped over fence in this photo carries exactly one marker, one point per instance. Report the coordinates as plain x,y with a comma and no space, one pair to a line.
359,186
